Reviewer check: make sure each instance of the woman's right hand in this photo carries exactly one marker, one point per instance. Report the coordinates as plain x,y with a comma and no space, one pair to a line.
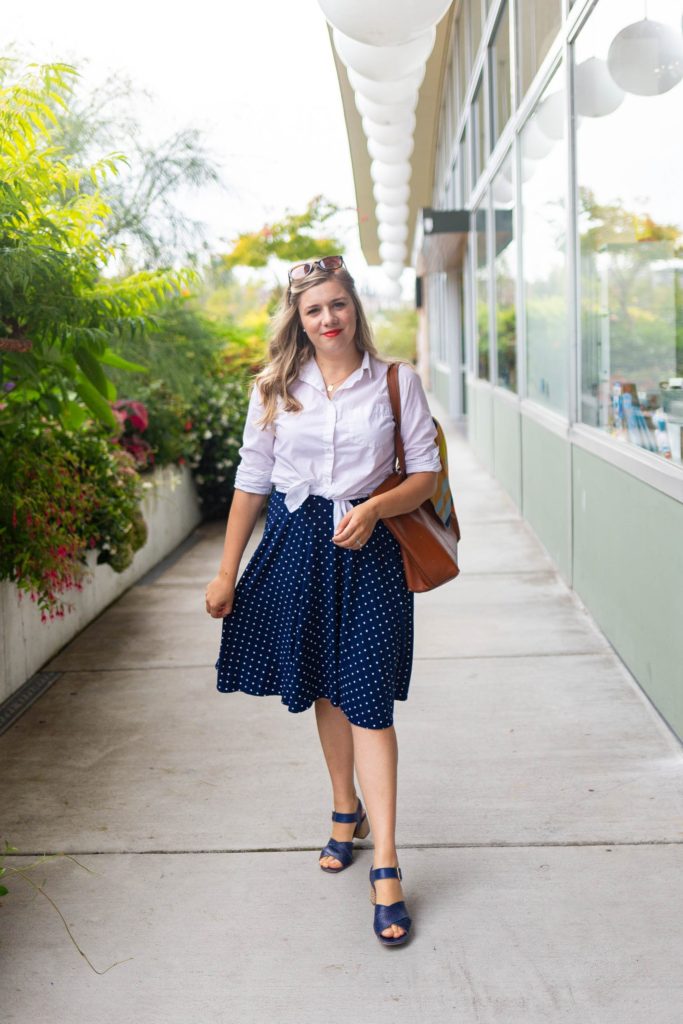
220,594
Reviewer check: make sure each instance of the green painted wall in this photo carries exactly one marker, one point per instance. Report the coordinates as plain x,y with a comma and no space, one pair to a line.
546,496
480,421
507,447
441,386
628,569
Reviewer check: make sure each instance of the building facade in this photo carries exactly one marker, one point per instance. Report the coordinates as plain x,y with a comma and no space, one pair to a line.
550,273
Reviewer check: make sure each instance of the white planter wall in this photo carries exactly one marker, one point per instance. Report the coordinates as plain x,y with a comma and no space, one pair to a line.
171,511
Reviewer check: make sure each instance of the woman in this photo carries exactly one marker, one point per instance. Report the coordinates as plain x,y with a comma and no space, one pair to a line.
322,615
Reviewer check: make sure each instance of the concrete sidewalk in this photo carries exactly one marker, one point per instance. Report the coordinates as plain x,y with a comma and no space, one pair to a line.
540,820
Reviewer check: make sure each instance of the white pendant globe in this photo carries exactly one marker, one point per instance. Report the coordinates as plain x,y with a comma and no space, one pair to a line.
502,190
392,290
395,153
373,22
535,143
646,58
392,214
392,195
388,133
551,116
392,268
393,251
384,63
383,113
596,94
392,232
390,174
399,90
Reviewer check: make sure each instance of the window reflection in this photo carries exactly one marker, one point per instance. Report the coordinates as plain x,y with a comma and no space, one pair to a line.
479,124
500,73
505,275
482,291
544,176
631,236
538,23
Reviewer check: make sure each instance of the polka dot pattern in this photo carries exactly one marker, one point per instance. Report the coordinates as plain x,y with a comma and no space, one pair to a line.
312,620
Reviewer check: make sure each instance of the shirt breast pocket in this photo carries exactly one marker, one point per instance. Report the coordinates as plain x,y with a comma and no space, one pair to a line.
371,427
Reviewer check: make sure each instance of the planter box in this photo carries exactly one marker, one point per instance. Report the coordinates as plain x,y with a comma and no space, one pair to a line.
171,511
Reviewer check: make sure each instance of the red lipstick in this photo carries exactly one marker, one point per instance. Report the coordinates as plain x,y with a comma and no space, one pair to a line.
331,334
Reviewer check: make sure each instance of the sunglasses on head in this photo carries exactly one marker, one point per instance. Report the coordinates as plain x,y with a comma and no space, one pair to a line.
301,270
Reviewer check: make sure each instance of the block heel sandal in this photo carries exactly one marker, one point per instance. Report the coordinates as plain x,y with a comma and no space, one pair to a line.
393,913
343,852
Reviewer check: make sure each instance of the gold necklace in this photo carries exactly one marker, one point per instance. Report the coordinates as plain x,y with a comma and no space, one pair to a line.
331,387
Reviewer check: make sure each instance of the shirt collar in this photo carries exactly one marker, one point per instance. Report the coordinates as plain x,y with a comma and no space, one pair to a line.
310,372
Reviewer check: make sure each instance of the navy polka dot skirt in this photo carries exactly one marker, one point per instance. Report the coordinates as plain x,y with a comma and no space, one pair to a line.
312,620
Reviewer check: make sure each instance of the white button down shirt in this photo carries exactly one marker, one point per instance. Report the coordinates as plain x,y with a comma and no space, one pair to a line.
339,448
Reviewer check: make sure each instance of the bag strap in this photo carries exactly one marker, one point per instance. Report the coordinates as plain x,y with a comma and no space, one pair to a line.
395,398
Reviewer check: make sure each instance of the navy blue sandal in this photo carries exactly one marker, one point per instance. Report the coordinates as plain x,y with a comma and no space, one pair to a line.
343,852
393,913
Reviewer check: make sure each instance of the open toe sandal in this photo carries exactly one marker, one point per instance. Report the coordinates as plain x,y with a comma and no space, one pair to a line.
343,852
393,913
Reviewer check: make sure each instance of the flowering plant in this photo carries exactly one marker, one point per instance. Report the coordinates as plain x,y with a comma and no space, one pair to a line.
134,420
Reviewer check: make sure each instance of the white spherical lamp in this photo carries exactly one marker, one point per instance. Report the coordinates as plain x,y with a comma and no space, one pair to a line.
394,131
392,268
535,143
397,152
400,90
384,63
384,113
390,174
392,290
392,232
391,195
551,116
646,58
392,214
596,94
376,23
393,251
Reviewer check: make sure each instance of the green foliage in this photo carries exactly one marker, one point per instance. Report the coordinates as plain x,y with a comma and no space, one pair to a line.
60,319
395,332
294,237
63,493
217,424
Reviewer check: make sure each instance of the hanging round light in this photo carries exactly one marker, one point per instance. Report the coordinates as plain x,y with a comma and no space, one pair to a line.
646,58
392,195
399,90
393,269
535,143
392,214
384,113
392,290
596,94
371,21
392,232
395,153
384,63
393,251
390,174
394,131
551,115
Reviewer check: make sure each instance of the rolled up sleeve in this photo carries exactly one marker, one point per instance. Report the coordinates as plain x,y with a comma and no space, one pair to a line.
417,426
255,469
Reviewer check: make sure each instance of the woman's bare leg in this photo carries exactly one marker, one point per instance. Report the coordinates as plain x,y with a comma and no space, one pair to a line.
336,740
376,756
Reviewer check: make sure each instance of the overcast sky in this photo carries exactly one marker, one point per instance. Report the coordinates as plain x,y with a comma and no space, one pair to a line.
258,77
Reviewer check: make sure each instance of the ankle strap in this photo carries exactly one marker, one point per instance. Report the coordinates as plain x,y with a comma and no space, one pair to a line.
376,873
347,818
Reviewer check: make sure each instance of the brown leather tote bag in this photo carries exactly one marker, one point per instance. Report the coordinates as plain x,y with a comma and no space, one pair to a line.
428,547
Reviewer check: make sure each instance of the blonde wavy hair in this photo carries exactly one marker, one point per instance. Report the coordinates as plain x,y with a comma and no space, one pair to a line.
289,347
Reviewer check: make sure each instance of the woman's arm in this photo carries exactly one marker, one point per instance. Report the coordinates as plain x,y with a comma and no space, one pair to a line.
244,511
358,524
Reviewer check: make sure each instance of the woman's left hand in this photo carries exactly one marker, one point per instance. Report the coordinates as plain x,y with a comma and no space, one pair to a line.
355,529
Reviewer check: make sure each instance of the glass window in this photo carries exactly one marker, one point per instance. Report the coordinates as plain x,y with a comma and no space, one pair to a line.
482,290
465,168
479,128
500,73
505,274
463,69
473,10
544,242
538,23
629,159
